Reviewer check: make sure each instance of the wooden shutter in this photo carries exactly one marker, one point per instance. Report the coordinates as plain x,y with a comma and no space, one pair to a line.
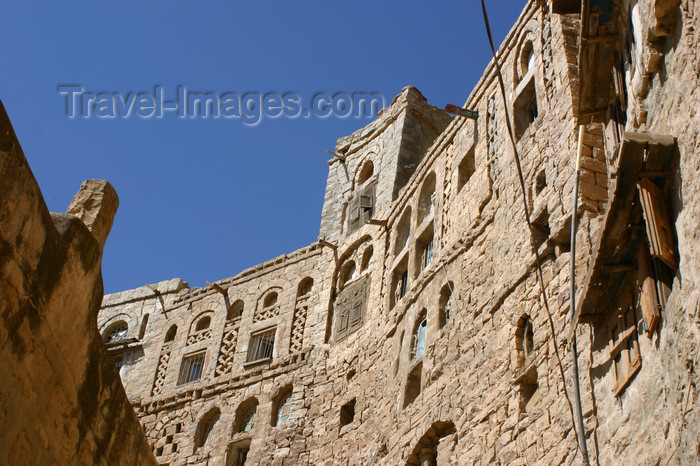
658,222
366,202
350,306
354,209
647,289
342,328
356,316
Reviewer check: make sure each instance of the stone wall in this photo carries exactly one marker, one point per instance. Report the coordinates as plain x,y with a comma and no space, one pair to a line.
436,329
61,400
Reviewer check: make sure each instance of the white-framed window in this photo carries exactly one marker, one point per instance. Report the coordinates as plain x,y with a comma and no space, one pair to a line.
261,345
191,368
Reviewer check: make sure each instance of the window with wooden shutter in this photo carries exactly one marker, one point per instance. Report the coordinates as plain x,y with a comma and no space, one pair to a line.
354,209
647,290
350,305
342,329
658,222
356,316
366,202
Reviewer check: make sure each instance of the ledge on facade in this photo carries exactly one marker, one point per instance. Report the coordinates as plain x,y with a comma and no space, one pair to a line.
174,285
123,345
214,387
641,155
249,364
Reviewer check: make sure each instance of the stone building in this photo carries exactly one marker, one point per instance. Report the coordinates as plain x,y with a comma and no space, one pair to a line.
430,323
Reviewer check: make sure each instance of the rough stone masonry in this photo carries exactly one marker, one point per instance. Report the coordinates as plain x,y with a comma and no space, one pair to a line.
429,323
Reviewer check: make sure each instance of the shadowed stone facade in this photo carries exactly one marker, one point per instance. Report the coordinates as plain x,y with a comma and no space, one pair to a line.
416,329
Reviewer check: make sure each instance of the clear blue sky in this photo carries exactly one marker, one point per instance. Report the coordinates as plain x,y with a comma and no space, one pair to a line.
203,199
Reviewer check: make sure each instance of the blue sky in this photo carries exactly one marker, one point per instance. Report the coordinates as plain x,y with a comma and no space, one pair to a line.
204,198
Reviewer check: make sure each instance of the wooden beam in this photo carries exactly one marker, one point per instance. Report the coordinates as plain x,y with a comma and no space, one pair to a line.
374,221
218,288
455,110
327,244
159,296
615,268
337,156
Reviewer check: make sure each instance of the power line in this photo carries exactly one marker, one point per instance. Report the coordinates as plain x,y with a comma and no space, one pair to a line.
580,439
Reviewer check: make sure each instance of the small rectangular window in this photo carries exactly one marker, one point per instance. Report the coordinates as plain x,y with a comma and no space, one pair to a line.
347,413
403,284
525,108
428,253
261,345
191,368
366,202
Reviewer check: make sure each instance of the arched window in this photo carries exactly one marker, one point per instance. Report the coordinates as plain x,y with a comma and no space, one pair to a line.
117,331
446,304
528,337
206,431
144,323
525,339
305,287
540,182
170,336
236,310
426,200
283,408
419,335
525,60
366,258
528,384
366,173
403,231
245,415
347,273
437,441
270,299
203,324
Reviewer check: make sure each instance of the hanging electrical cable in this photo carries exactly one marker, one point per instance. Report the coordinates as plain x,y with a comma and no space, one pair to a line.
577,423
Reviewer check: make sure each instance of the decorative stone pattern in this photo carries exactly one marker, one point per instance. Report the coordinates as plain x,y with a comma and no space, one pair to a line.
298,324
266,313
224,363
162,369
199,336
491,384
